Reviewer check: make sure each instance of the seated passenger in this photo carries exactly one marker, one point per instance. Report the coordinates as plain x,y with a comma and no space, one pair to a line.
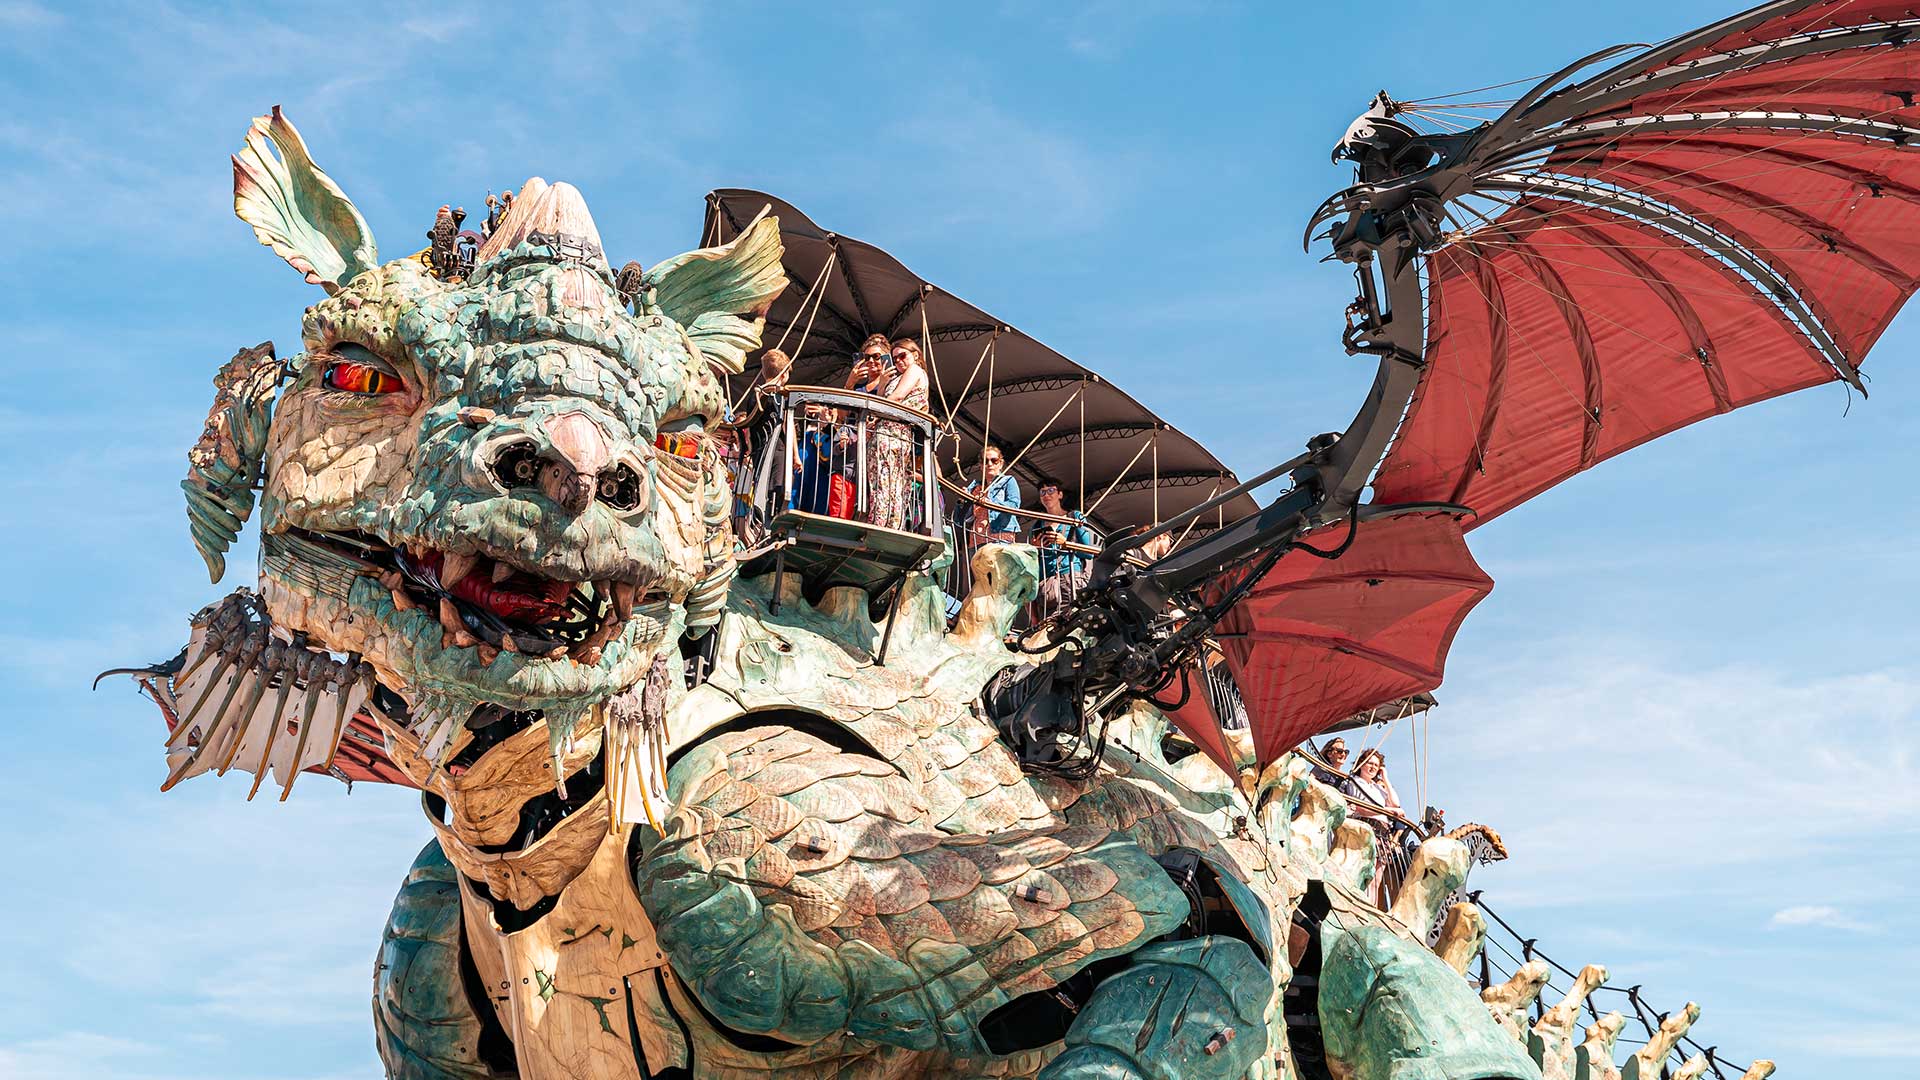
1369,782
1062,570
813,476
763,411
1333,773
995,523
760,421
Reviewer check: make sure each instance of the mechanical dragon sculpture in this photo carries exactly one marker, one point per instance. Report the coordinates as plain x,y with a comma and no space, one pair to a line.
494,524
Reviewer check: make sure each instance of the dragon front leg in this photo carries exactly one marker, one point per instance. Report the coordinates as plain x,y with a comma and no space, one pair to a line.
1183,1010
426,1025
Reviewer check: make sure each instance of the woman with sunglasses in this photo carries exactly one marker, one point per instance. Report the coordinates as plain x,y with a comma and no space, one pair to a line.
869,372
891,462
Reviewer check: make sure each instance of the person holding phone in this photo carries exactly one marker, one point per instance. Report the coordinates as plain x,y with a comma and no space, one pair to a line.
1063,570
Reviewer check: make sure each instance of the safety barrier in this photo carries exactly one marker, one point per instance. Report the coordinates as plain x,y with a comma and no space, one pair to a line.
1639,1014
975,522
843,482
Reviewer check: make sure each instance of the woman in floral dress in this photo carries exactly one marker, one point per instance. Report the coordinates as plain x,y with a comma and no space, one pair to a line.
892,465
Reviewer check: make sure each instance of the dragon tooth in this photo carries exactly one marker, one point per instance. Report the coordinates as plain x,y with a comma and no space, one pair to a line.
403,602
488,654
456,567
307,707
508,644
275,721
623,595
450,618
501,572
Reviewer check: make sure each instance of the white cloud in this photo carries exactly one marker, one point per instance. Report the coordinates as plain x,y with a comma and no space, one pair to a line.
1816,915
1661,774
970,162
25,15
1886,1040
72,1053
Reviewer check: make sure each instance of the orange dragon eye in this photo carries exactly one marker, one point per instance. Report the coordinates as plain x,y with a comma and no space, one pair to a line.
358,378
356,370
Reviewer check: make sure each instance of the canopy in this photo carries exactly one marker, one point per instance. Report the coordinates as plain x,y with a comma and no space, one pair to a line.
1719,220
987,378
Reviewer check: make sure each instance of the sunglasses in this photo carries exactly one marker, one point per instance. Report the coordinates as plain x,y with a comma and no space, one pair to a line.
873,356
901,355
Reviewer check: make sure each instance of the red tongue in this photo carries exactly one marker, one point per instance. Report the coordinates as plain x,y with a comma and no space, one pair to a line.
532,600
547,603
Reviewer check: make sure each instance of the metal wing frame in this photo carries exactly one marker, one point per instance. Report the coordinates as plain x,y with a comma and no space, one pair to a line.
1652,236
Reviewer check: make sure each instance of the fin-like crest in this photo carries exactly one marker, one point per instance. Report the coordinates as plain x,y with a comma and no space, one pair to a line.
296,209
721,294
226,462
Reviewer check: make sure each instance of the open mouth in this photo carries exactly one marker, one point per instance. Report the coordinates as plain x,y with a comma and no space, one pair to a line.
487,603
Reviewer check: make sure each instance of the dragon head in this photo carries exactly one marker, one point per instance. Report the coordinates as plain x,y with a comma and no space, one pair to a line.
495,490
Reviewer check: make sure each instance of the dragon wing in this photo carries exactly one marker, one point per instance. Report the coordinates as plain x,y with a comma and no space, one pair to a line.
1715,221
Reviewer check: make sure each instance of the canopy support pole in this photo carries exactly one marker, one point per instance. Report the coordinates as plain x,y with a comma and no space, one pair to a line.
1044,428
1118,477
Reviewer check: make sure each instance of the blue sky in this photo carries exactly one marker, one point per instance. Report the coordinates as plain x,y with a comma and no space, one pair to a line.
1688,704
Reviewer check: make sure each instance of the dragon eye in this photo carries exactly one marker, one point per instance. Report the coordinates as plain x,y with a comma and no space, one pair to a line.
356,370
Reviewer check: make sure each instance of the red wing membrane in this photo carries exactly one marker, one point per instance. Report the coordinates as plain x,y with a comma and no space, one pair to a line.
1722,219
362,757
1318,640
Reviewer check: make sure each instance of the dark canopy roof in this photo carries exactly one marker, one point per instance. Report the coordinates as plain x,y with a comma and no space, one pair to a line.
1032,387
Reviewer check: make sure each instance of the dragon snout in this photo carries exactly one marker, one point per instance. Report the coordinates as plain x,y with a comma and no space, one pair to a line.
572,459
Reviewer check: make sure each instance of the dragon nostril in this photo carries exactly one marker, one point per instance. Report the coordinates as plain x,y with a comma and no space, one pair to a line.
621,487
517,465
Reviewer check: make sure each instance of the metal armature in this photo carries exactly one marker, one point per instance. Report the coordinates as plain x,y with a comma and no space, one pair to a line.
1383,225
1125,612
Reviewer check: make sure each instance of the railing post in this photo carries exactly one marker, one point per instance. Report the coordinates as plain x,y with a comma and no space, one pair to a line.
929,479
790,451
860,505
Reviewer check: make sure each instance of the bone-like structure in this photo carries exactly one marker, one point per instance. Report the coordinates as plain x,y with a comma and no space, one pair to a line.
249,699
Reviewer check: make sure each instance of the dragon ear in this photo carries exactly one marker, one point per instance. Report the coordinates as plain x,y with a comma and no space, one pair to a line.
296,209
720,295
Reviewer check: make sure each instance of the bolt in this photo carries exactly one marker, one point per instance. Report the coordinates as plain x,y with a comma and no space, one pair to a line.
1220,1039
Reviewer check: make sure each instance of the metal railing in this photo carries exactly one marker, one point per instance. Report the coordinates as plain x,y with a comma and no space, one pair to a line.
976,522
1493,969
837,454
1396,835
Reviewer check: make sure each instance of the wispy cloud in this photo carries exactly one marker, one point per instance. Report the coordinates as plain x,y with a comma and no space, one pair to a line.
1817,915
1878,1040
26,15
